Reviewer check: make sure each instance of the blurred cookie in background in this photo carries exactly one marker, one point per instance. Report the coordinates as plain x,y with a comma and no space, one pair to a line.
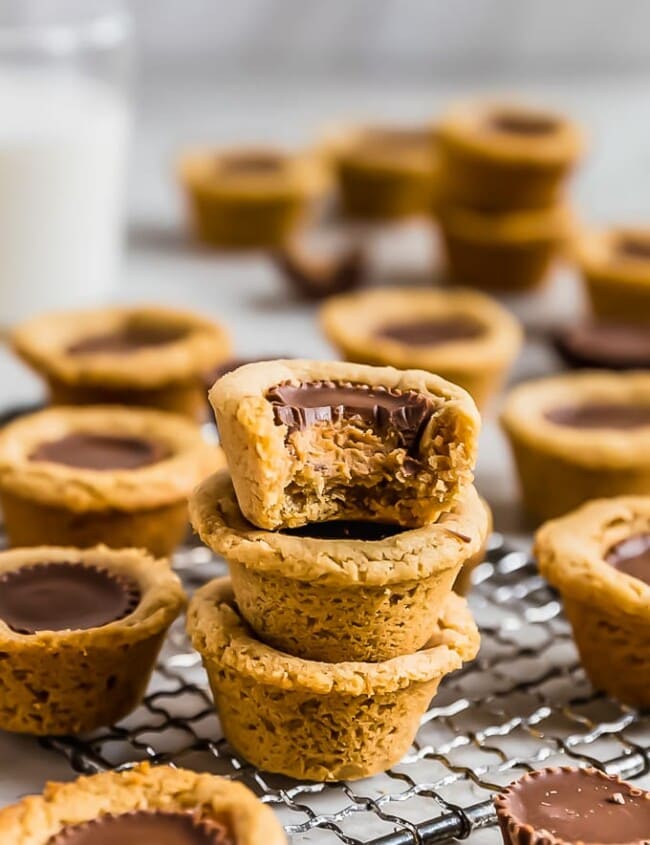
604,345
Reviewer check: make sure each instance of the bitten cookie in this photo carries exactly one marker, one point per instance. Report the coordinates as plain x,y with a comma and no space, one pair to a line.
79,635
142,805
310,441
320,721
598,557
336,591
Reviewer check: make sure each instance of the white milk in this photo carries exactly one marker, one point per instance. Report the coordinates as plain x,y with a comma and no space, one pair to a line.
63,145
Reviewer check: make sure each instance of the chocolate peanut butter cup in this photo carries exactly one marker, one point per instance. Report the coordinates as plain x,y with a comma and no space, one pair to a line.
161,804
615,267
340,590
310,441
598,557
313,720
245,198
463,336
85,626
139,355
82,476
580,436
606,345
569,806
501,157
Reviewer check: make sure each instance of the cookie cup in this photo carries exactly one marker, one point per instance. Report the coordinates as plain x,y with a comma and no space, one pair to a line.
71,681
320,721
615,267
353,324
47,503
166,790
510,252
609,610
343,468
166,373
492,168
560,467
339,599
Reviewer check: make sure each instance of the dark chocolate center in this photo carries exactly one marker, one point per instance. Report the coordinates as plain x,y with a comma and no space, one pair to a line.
431,331
300,406
581,807
634,247
252,163
130,338
600,415
632,556
100,451
345,530
64,596
615,346
144,827
519,123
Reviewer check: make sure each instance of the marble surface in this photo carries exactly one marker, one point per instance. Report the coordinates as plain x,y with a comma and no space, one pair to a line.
245,292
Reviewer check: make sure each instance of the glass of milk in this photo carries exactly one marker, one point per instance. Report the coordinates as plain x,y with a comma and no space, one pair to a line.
64,68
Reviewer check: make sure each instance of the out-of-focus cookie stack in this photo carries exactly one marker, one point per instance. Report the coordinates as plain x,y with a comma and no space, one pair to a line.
501,208
346,517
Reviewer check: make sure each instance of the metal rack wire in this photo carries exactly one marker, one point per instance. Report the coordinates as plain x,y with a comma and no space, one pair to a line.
524,703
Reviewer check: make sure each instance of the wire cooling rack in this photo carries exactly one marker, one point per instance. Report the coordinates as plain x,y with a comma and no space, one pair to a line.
524,703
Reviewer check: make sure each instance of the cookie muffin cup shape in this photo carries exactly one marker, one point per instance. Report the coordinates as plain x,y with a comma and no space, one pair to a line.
609,610
71,681
477,359
562,466
49,503
147,356
339,599
344,467
320,721
505,156
209,799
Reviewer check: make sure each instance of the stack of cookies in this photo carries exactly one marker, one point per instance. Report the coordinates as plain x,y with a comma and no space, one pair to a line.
501,210
346,516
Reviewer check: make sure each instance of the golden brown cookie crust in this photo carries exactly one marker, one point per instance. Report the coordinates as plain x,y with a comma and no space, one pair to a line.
165,482
510,229
265,466
35,819
81,679
42,342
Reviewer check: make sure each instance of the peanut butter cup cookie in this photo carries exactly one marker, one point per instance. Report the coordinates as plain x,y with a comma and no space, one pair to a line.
502,252
120,476
163,805
463,336
150,356
320,721
506,156
248,197
598,557
580,436
80,631
385,172
615,266
343,590
311,441
569,806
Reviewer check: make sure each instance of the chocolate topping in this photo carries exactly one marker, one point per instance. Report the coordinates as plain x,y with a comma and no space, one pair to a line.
64,596
516,123
130,338
100,451
432,331
575,805
634,247
345,530
600,415
632,556
314,276
144,826
612,346
300,406
252,163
